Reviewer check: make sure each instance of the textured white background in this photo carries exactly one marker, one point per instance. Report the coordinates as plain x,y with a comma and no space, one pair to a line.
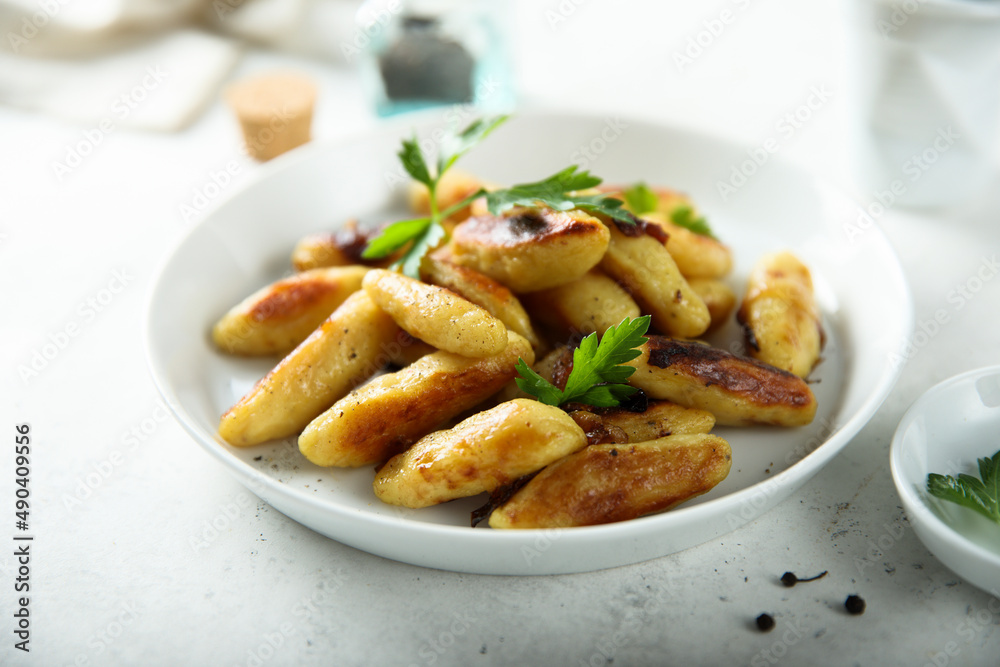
124,555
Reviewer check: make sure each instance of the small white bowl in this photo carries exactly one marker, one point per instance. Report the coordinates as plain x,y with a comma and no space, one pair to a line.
945,431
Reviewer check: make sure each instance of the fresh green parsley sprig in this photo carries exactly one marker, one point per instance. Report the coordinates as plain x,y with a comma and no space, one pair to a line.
981,495
558,192
597,378
427,233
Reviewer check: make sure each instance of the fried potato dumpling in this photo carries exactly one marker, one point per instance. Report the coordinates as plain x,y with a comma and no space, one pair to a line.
482,453
481,290
718,297
644,267
436,315
383,417
593,302
531,249
660,419
344,351
278,317
340,248
739,391
613,482
696,255
779,314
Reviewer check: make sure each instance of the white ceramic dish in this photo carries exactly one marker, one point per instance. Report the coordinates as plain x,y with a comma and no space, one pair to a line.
945,431
246,241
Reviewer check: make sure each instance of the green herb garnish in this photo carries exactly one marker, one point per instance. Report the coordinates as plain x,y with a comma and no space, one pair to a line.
640,199
597,377
683,216
558,192
427,233
981,495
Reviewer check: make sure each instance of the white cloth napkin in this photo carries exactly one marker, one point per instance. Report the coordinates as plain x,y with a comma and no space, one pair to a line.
148,64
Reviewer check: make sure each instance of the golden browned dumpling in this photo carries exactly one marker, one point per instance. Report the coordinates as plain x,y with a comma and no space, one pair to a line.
591,303
608,483
344,351
780,316
278,317
481,290
644,267
531,249
436,315
383,417
737,390
482,453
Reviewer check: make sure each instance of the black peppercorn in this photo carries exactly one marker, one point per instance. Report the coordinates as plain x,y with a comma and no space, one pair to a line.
855,605
765,623
789,579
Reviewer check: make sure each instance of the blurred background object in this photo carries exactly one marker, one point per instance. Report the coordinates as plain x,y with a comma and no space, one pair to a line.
73,60
424,53
275,111
927,112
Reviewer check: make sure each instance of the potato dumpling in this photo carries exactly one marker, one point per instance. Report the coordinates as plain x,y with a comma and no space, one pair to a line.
660,419
278,317
593,302
779,314
739,391
480,290
696,255
719,298
436,315
339,248
644,267
344,351
531,249
482,453
383,417
614,482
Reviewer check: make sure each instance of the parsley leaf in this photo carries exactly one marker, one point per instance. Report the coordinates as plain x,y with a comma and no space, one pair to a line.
413,161
422,244
394,237
640,199
981,495
454,147
597,377
558,193
427,233
683,216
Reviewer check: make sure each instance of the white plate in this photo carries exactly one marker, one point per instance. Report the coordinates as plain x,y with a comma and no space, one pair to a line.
246,241
945,431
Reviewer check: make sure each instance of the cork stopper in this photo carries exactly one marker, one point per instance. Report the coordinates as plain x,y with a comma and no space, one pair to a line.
275,112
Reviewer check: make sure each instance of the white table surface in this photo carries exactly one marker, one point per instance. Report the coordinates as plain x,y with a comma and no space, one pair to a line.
116,578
